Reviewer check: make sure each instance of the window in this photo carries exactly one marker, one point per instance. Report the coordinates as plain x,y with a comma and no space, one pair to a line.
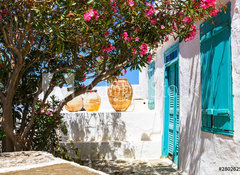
151,86
171,55
216,75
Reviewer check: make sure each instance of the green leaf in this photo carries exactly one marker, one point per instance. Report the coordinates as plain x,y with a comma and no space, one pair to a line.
90,1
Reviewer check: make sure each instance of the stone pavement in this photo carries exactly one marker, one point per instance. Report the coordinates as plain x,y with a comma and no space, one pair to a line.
58,169
42,163
134,167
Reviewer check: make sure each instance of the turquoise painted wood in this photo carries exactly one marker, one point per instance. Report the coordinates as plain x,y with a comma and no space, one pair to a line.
151,86
216,75
171,112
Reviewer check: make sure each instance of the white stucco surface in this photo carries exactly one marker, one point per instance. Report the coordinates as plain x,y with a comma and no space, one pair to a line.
134,134
202,153
125,135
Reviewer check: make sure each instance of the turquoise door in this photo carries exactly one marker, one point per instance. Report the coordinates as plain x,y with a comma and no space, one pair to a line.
171,114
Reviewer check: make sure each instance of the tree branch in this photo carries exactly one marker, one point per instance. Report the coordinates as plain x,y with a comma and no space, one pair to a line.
30,124
24,117
48,92
99,78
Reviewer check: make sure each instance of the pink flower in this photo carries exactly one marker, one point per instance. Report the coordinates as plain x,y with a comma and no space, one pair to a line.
51,108
48,112
154,21
214,12
137,38
107,33
6,11
208,3
143,49
125,36
166,38
124,72
131,3
91,13
148,4
186,19
151,11
84,77
42,111
162,27
133,51
96,14
114,8
108,48
0,16
149,57
192,34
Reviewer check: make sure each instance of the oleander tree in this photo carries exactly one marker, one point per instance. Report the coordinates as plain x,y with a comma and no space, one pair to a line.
94,39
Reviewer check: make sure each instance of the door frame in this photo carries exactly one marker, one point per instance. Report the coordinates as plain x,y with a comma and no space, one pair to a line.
165,135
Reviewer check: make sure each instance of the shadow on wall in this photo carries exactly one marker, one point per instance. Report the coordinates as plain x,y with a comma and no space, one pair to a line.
192,141
100,150
94,127
96,136
190,131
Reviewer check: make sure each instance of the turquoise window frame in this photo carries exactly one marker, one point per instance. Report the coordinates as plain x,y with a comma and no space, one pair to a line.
169,51
214,119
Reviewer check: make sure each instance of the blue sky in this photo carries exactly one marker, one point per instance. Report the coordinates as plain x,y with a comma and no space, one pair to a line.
132,76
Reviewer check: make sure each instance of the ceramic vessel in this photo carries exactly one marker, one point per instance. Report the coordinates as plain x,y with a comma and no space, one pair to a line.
120,94
92,101
75,104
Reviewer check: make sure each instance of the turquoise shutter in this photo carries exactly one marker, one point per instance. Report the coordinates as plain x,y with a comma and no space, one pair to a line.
166,114
216,75
222,87
177,111
171,107
151,86
206,81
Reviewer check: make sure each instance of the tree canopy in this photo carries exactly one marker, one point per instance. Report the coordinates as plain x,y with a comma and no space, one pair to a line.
90,38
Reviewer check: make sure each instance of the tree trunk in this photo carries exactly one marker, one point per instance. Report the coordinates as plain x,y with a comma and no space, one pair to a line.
7,125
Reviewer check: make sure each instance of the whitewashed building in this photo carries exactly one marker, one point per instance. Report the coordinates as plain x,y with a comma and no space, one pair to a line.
197,97
186,105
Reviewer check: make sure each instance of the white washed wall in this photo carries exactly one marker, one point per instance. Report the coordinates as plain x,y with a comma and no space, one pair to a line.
115,135
202,153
